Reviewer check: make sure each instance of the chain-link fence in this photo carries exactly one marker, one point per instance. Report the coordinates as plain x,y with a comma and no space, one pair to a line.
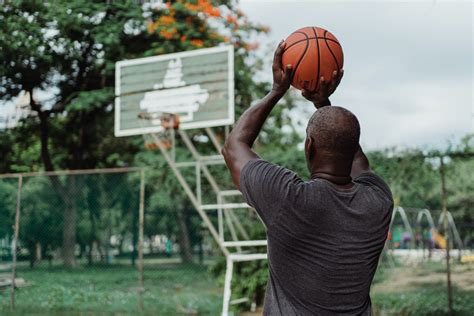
104,241
94,240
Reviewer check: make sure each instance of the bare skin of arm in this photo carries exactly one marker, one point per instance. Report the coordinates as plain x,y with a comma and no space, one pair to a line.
237,149
320,98
360,164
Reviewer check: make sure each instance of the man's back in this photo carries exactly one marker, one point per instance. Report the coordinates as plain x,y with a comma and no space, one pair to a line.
323,242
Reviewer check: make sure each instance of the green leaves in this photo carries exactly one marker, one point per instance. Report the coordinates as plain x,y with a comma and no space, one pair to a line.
90,100
24,56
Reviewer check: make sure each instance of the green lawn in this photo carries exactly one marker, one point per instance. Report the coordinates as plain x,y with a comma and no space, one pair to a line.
421,290
427,300
176,290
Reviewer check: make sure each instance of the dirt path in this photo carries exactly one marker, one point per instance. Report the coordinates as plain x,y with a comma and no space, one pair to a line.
407,278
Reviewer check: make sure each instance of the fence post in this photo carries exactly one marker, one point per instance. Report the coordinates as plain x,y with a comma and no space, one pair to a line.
15,240
446,233
141,219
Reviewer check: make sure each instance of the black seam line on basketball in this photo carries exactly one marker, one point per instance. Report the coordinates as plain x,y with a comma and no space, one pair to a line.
293,73
299,41
329,39
319,58
330,50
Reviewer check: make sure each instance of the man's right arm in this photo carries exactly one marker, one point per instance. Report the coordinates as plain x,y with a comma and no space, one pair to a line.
362,174
360,164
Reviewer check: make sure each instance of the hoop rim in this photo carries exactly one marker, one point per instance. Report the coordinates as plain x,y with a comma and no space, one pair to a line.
168,120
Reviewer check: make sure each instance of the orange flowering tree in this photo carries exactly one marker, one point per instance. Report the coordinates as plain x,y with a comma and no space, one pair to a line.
184,25
179,25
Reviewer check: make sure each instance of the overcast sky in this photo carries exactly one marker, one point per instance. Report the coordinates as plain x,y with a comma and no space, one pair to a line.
408,65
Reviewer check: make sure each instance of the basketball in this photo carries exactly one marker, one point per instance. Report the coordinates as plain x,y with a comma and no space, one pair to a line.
313,52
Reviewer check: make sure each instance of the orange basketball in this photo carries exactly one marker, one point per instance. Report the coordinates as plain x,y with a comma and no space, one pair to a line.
313,52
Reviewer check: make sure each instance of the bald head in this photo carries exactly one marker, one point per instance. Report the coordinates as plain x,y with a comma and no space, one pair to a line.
334,132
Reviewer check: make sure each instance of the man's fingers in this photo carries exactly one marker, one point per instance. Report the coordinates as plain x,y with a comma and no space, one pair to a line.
306,94
288,73
322,84
339,76
278,55
336,80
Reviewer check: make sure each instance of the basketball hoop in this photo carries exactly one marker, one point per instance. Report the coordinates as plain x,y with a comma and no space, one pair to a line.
164,139
200,105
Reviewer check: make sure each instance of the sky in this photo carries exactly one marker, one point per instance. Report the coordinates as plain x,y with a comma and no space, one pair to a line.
408,66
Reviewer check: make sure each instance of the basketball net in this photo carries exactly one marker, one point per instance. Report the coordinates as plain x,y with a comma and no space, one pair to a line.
164,139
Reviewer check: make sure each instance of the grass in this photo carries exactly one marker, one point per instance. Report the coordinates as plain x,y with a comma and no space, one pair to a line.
175,289
172,290
429,300
421,290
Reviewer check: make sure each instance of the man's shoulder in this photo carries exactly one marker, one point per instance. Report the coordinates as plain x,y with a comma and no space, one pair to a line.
268,188
371,179
256,167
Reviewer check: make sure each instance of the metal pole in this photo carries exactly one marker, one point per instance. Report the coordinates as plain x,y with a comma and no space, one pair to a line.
214,139
241,229
187,141
141,216
220,221
15,240
70,172
446,232
198,183
232,230
227,286
190,195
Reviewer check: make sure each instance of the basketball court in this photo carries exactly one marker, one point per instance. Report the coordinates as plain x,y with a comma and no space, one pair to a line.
91,222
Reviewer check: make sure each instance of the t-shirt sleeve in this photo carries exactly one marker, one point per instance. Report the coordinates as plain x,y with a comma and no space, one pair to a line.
373,180
268,188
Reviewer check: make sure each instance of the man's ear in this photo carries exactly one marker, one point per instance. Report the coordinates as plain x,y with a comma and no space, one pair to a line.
309,148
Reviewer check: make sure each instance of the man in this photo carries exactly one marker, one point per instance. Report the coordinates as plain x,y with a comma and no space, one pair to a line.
325,235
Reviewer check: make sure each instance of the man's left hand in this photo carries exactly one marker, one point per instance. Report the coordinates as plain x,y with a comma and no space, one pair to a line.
320,97
281,77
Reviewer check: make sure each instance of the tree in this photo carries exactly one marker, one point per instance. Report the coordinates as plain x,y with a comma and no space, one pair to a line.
67,50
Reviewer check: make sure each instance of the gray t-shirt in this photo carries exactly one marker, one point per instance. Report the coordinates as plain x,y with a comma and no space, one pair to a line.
323,242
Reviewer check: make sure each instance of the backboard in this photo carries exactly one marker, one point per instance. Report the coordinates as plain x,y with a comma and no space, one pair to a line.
197,85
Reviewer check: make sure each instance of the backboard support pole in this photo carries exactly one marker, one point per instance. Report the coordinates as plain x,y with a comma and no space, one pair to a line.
190,194
209,176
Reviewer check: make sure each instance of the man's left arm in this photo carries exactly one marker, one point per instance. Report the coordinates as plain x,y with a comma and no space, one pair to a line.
237,149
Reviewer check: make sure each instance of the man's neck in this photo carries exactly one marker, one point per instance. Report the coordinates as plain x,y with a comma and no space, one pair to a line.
341,179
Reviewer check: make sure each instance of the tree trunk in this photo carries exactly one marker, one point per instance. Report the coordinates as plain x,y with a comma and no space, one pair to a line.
120,245
108,246
184,241
69,215
92,237
151,247
134,237
69,237
31,251
38,253
69,227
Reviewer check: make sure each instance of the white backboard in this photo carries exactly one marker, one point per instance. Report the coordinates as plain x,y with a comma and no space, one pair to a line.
197,85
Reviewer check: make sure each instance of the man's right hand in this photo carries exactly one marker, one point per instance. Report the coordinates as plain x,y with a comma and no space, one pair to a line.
320,97
281,76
